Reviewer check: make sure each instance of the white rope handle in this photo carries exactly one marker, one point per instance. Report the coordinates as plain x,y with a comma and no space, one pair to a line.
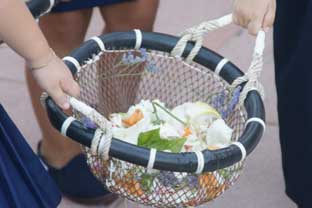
196,34
103,135
254,71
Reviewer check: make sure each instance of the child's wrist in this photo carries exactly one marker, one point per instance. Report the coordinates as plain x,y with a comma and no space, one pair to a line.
41,62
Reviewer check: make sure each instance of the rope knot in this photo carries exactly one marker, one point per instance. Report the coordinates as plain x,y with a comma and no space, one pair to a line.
252,78
103,135
196,34
192,34
101,142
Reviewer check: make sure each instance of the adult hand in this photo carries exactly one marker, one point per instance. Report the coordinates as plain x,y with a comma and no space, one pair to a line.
254,14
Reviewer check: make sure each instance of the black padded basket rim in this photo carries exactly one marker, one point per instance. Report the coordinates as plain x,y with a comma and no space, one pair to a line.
38,7
181,162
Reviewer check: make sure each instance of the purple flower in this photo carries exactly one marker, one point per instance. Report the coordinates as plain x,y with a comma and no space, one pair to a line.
192,181
224,113
219,100
151,67
88,123
125,58
129,58
168,178
235,97
144,53
138,59
233,102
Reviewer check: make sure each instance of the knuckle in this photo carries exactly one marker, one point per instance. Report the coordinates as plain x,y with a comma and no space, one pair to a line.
253,30
235,19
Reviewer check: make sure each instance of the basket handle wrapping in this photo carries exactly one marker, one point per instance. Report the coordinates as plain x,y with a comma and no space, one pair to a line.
197,33
103,135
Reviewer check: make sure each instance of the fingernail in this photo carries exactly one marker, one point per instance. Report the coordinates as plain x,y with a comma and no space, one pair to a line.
266,29
66,106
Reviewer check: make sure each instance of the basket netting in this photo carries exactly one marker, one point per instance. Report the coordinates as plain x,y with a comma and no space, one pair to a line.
111,83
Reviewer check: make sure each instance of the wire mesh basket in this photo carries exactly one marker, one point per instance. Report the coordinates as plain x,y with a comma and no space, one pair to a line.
118,70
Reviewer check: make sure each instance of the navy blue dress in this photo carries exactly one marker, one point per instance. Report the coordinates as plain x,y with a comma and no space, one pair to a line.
23,180
83,4
292,45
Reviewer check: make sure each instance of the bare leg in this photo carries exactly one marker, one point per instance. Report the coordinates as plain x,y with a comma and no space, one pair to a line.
139,14
64,32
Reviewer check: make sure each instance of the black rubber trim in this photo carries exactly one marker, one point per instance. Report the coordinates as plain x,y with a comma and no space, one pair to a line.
38,7
182,162
81,56
71,67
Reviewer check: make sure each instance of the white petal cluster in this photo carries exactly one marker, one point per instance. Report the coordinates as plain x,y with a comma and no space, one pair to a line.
205,124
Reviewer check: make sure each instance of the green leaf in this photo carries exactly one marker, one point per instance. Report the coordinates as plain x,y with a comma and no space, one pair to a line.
151,139
146,136
147,182
176,144
225,174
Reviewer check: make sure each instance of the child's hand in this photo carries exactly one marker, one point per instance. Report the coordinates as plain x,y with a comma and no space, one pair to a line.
254,14
56,79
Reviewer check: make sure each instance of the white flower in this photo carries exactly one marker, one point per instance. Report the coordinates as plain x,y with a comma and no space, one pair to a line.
202,115
206,127
218,133
198,113
180,112
132,133
196,143
168,131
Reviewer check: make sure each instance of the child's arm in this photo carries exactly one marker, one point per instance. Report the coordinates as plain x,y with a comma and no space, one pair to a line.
19,30
254,14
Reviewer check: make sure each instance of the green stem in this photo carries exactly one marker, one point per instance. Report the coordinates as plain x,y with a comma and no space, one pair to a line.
169,113
125,69
132,66
156,114
122,75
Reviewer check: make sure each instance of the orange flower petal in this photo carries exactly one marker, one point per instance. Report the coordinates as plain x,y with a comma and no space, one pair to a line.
187,132
134,118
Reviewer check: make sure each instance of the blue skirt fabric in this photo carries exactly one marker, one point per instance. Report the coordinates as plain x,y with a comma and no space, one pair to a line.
23,180
83,4
292,52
